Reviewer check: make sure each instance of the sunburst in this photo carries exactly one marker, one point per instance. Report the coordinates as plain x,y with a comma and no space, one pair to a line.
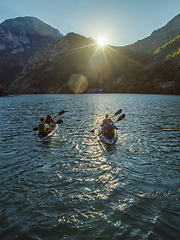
101,41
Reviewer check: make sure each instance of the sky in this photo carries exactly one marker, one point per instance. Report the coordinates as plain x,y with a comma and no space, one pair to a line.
121,22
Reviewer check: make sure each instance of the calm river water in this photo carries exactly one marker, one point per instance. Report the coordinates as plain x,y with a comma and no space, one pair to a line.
73,187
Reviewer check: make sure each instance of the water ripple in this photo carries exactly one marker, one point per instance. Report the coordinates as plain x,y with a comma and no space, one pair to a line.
75,187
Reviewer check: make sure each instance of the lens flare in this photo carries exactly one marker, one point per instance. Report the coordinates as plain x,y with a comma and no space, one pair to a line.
78,83
101,85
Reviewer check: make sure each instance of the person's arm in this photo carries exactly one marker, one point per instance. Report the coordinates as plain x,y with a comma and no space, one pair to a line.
101,132
53,120
102,124
115,127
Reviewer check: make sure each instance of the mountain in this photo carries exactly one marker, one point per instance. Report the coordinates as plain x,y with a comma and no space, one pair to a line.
49,70
160,55
151,65
20,38
158,38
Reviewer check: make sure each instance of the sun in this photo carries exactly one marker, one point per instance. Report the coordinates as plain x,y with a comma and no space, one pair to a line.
101,41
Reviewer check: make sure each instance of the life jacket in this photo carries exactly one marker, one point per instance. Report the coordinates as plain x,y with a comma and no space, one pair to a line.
109,131
42,130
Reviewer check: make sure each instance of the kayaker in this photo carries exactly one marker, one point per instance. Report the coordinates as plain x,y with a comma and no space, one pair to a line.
108,130
43,127
50,120
104,122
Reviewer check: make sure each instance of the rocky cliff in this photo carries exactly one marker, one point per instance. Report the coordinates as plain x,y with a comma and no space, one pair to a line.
48,70
20,38
35,72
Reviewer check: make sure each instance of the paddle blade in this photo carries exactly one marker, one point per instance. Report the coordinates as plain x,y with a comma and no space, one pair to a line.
118,112
121,117
35,129
59,121
60,113
92,130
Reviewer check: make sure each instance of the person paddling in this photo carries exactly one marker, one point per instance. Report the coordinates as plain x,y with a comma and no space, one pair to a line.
43,127
50,121
104,122
108,130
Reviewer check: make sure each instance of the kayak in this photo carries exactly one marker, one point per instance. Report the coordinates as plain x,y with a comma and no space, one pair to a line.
109,141
39,138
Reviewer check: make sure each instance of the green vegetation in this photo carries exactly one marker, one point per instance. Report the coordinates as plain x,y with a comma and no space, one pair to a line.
173,42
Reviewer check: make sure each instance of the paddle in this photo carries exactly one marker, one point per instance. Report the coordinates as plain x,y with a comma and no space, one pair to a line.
60,113
58,122
118,112
120,118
